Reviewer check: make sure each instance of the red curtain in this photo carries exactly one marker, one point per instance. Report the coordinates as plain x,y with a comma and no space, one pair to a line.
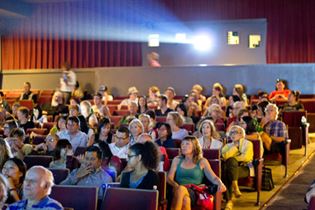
290,30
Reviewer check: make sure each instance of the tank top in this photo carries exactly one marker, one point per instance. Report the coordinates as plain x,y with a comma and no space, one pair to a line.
189,176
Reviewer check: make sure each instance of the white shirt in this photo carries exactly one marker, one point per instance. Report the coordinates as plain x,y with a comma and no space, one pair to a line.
180,134
80,139
68,81
120,152
215,144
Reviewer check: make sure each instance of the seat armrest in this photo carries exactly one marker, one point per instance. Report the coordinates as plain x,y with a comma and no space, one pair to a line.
217,200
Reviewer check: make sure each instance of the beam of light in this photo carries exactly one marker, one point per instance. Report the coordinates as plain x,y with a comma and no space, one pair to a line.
202,42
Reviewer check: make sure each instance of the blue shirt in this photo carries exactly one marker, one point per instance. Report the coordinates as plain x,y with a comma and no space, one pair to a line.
46,203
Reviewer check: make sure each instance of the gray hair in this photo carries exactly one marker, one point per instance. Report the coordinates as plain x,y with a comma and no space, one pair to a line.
47,177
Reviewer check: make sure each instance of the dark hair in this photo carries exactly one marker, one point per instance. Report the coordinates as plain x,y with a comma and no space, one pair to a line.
1,94
19,132
262,94
183,108
163,98
103,122
168,128
21,165
283,81
98,94
296,94
12,124
149,152
146,103
61,144
236,98
241,112
24,110
74,119
250,124
95,149
27,83
262,105
59,118
151,113
123,129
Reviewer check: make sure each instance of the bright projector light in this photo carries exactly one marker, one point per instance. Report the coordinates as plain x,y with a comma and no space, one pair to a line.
202,43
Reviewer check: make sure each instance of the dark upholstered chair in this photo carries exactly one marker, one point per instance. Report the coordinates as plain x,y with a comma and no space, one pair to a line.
131,199
60,174
162,191
80,151
33,160
255,182
172,152
76,197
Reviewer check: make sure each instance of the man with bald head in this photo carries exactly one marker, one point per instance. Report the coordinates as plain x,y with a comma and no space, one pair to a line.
36,188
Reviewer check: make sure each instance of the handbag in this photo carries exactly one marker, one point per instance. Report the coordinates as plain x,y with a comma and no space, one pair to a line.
267,181
204,198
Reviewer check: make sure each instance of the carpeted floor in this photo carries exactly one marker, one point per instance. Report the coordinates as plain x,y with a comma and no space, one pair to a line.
291,196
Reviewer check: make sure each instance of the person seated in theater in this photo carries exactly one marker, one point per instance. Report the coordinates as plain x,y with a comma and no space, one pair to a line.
182,110
27,94
237,162
133,97
209,136
275,131
239,90
230,103
62,149
98,108
3,103
75,111
190,167
77,92
76,137
218,91
120,146
294,103
148,127
153,59
237,106
192,106
90,172
136,129
133,113
217,115
163,109
176,122
16,141
262,96
143,160
197,89
47,147
23,118
153,99
36,189
170,93
142,105
57,106
106,97
281,93
165,135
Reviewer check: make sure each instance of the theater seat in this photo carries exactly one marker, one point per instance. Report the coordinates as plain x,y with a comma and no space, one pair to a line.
60,174
130,199
172,152
76,197
311,205
33,160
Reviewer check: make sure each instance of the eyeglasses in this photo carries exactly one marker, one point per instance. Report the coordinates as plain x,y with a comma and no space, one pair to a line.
231,133
130,156
121,138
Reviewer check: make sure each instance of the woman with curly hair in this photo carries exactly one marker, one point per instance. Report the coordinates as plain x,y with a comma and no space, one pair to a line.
143,160
190,168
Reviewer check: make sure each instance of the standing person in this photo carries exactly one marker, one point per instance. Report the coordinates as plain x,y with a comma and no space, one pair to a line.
36,189
153,59
67,82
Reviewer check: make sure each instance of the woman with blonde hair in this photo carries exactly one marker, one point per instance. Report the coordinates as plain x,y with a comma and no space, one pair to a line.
176,121
153,99
210,137
136,128
190,168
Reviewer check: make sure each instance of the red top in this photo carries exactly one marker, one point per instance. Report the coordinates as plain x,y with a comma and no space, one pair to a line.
279,92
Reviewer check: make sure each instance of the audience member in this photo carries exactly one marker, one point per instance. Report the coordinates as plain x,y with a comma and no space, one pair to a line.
190,168
120,146
133,113
281,92
23,115
133,97
36,189
62,150
182,110
5,152
3,103
163,109
98,108
237,162
14,170
104,133
136,128
77,92
170,93
27,94
90,172
76,137
142,105
176,122
209,137
147,126
3,191
154,93
165,136
217,115
8,126
106,97
293,103
143,159
47,147
239,90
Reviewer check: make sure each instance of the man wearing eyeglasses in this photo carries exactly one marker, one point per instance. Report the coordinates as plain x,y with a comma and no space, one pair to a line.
121,144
